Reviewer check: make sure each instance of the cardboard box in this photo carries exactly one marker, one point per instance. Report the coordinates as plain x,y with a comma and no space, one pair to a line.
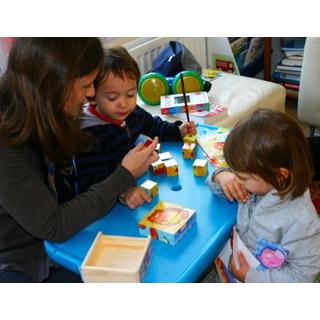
167,222
116,259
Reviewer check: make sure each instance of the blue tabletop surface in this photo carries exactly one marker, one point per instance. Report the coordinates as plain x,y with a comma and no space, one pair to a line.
187,260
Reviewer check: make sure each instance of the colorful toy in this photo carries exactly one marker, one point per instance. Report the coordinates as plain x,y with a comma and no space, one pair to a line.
174,103
200,167
188,150
157,149
158,167
143,139
151,188
154,85
190,138
171,166
167,222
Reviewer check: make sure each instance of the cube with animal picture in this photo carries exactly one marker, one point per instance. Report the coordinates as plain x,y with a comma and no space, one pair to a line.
188,150
151,188
200,167
171,166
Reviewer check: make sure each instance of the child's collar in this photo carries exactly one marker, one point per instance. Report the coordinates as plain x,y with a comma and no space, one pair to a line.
92,110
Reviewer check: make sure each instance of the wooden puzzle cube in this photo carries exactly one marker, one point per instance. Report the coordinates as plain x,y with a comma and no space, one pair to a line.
191,138
200,167
188,150
151,188
171,166
165,156
157,167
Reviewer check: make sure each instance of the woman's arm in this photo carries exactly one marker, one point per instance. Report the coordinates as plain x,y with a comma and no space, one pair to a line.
26,197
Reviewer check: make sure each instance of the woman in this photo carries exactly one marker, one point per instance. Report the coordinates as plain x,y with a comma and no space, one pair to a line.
41,96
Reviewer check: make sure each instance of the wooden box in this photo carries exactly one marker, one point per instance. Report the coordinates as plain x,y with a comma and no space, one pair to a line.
116,259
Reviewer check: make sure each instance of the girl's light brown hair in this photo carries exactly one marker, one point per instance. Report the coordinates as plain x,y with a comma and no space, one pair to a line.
264,143
35,87
118,61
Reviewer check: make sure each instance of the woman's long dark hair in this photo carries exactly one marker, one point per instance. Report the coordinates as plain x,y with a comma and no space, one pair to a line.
35,87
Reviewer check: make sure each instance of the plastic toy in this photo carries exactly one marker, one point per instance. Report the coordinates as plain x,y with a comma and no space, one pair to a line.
174,103
154,85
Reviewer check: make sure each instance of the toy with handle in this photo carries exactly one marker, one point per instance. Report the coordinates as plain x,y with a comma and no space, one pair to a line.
154,85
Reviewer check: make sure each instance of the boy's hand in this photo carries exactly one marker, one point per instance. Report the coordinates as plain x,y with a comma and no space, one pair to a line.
239,274
135,197
231,187
187,128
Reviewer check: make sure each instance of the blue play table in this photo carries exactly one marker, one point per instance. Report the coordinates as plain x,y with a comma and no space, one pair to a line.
184,262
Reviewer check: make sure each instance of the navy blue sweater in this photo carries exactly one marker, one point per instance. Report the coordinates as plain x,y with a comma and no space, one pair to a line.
114,142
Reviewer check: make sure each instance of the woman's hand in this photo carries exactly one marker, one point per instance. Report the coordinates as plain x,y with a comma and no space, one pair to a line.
187,128
138,160
231,187
239,274
135,197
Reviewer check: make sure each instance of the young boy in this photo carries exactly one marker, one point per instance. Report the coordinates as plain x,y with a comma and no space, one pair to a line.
116,122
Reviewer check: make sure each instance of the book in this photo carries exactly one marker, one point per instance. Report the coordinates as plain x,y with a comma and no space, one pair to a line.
283,77
298,73
291,62
289,52
254,51
295,57
231,248
211,141
293,86
293,68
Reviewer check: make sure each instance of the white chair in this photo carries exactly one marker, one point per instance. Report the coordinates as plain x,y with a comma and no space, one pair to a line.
309,92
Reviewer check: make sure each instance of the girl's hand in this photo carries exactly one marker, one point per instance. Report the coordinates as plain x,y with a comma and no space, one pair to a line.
138,160
231,187
239,274
135,197
187,128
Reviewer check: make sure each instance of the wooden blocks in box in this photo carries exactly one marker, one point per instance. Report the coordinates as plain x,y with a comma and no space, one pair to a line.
116,259
167,222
